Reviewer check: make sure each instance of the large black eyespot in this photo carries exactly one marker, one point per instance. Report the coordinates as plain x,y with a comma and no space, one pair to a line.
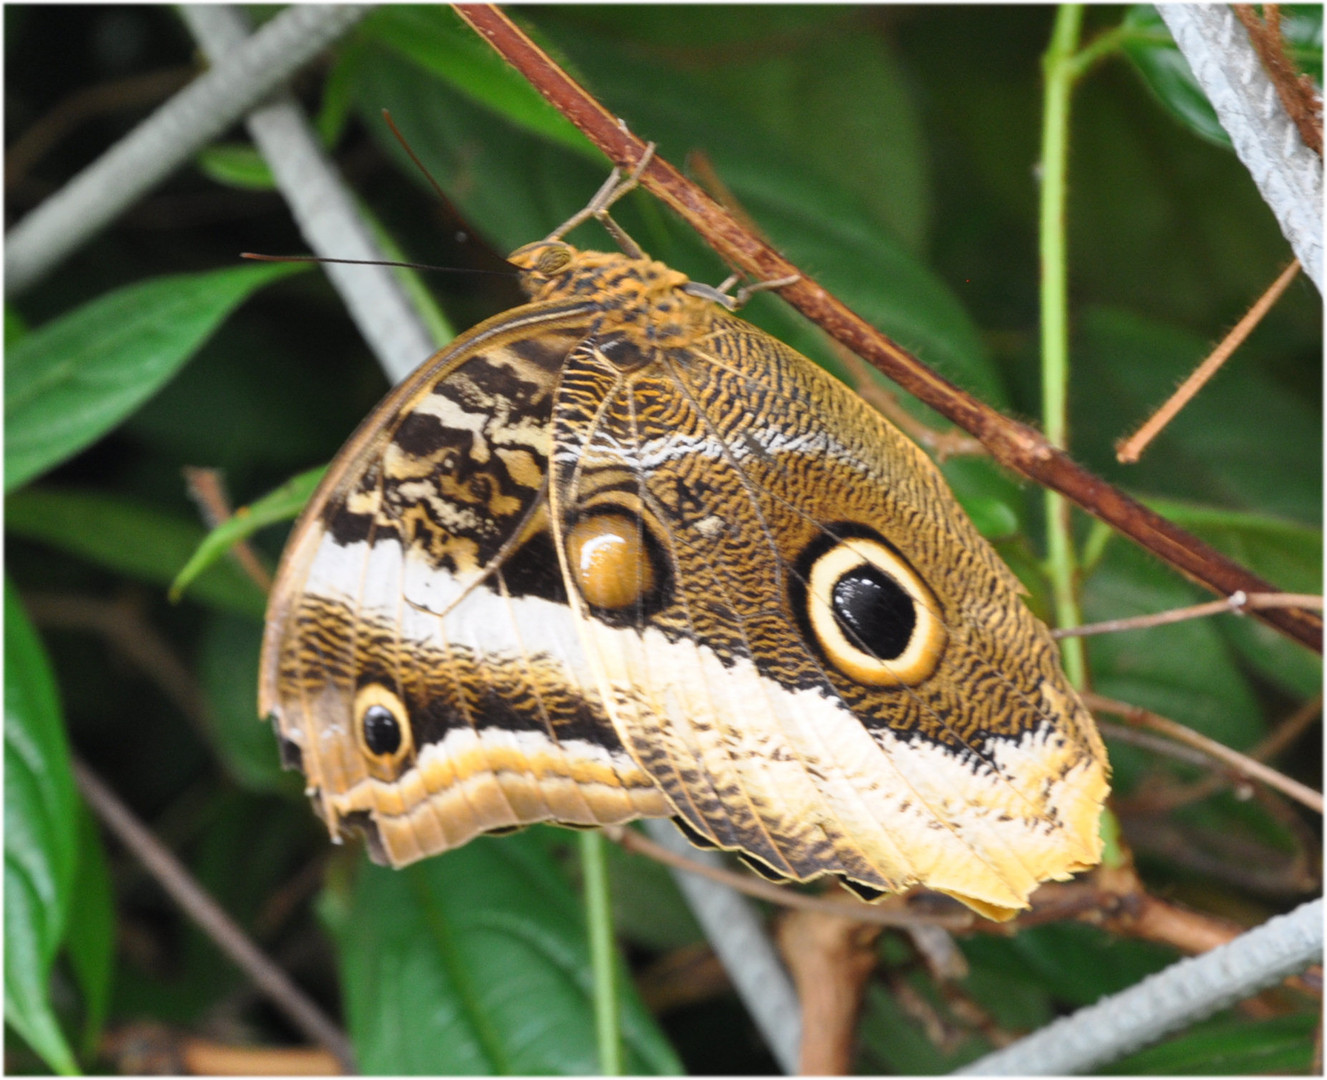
874,610
382,728
869,612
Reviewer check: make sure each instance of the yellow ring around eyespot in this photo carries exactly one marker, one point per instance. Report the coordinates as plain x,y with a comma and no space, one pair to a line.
918,660
366,697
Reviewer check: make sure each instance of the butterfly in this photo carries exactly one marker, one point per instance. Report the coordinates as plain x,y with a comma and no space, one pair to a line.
617,553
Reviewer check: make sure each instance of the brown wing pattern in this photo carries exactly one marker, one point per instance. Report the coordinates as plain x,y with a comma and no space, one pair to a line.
420,662
615,554
970,766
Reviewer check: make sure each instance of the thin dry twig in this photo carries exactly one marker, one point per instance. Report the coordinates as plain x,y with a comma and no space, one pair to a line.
180,885
1011,443
1241,763
209,495
1285,733
888,912
1236,603
48,130
126,628
1129,450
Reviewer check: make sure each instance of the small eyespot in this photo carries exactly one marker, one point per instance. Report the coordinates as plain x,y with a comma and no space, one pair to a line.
382,729
382,734
612,558
872,616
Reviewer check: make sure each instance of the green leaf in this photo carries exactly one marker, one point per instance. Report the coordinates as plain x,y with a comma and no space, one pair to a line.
281,504
1287,554
74,379
237,165
437,41
1183,670
1168,75
228,671
1076,964
90,938
139,541
475,962
1229,1045
41,837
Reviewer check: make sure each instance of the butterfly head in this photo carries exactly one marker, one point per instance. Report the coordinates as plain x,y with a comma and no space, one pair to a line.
554,270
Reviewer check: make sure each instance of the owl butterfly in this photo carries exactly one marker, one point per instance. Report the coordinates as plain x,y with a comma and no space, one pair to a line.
617,554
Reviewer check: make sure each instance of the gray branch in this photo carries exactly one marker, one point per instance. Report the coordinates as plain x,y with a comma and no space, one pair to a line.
1182,994
322,206
1288,173
330,223
167,139
737,935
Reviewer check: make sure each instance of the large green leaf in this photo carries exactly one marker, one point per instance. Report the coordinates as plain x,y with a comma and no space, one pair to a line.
41,837
73,380
476,962
1229,1046
139,541
436,40
90,937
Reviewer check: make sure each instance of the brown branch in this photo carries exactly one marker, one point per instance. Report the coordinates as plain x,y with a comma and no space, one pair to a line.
180,885
1013,444
1299,97
830,958
150,1049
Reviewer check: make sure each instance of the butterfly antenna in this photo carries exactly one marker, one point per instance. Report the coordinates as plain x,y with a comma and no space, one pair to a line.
373,262
387,116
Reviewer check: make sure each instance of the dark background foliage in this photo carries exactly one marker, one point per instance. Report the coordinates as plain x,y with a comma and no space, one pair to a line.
891,152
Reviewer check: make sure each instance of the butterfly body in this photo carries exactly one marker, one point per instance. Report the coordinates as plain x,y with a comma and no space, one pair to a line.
618,553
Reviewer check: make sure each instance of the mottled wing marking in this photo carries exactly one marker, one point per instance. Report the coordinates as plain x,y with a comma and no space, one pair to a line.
434,572
743,452
400,574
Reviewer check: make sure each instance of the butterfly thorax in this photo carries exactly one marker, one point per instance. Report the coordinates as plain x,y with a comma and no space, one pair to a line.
636,297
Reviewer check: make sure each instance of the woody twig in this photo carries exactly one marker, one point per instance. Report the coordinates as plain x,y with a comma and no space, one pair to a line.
1013,444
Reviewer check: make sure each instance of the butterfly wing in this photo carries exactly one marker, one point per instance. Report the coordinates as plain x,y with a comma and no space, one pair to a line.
419,658
821,662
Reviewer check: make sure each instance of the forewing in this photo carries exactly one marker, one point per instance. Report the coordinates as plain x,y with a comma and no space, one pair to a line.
420,661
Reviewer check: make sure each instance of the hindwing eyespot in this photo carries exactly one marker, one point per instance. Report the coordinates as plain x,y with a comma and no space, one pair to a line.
382,729
869,612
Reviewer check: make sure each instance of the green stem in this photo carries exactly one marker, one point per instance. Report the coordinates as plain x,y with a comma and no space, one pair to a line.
603,953
1059,70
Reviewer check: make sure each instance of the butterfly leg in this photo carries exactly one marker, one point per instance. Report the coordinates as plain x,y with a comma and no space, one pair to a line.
719,293
610,192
